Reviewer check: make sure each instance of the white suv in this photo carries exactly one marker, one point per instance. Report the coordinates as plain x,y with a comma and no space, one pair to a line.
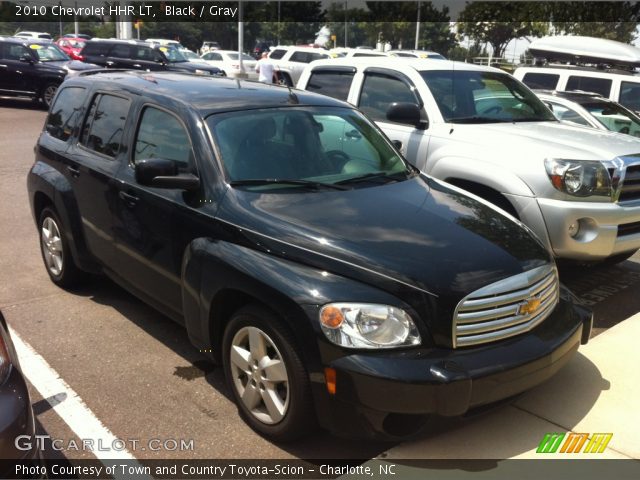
480,129
289,62
618,85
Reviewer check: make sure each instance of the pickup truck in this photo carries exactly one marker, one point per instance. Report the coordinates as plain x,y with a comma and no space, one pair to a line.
484,131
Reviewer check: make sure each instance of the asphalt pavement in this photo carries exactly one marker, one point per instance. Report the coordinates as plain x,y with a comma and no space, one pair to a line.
135,371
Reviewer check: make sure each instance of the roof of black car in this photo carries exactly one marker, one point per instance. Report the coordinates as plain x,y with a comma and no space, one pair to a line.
25,40
207,94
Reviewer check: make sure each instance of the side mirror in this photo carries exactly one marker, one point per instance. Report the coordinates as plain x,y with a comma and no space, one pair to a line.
27,59
163,173
406,113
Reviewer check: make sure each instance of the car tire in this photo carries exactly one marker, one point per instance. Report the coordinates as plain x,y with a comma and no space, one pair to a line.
48,93
55,251
276,402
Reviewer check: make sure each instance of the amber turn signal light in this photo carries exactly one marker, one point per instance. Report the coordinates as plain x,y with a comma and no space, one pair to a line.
330,380
331,317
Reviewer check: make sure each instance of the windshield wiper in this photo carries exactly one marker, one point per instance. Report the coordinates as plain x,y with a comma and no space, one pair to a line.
372,176
477,119
285,181
534,119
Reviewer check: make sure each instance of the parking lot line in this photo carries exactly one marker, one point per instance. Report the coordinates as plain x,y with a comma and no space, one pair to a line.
68,404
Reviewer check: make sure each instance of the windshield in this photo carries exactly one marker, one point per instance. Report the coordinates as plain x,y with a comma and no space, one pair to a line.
173,54
189,54
614,117
484,97
234,56
49,52
304,146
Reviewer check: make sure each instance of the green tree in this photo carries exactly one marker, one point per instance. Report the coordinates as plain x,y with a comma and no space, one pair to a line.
611,20
474,22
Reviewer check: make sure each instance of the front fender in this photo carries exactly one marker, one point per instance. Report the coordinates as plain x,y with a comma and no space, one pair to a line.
217,271
475,170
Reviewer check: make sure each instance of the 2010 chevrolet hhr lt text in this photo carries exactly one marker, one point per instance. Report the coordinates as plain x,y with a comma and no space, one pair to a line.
333,281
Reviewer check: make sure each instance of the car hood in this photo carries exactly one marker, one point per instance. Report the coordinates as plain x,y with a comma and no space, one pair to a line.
549,139
70,64
419,234
192,66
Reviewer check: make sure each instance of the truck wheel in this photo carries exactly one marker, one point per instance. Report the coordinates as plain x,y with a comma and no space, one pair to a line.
48,92
266,375
55,252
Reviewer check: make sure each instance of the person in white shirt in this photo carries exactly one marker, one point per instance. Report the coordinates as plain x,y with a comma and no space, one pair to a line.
264,68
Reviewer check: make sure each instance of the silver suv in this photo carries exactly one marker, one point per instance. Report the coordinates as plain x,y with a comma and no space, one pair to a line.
481,129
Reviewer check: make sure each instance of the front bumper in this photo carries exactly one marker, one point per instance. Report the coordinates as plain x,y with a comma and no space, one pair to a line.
391,395
599,236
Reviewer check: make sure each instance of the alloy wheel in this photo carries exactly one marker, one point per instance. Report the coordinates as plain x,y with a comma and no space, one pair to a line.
52,246
259,375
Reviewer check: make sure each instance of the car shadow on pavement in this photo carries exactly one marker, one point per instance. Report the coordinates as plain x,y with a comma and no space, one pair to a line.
319,445
610,291
508,431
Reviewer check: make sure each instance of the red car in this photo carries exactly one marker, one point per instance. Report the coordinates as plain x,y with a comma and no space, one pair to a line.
72,46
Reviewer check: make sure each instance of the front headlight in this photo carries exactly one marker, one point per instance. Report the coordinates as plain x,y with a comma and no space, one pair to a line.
580,178
202,72
368,325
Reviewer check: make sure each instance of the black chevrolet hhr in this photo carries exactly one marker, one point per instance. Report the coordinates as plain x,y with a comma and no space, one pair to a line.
333,281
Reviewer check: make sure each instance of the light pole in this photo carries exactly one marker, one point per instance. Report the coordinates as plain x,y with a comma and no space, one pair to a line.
417,29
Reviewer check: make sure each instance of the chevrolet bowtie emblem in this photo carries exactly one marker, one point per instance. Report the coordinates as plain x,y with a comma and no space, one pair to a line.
529,306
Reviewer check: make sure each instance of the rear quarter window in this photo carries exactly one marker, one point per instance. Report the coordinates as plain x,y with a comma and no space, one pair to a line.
590,84
65,113
277,54
545,81
332,84
103,129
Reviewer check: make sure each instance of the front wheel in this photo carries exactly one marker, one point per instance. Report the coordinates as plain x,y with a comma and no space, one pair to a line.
48,92
266,375
55,252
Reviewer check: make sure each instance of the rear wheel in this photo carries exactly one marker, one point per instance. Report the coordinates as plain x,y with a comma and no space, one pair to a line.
55,251
266,375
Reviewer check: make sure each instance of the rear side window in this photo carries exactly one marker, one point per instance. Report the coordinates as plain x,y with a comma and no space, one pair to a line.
332,84
120,51
212,56
630,95
96,48
379,91
103,129
65,116
545,81
277,54
161,135
589,84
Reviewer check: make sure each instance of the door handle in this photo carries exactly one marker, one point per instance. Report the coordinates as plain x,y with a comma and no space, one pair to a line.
109,63
130,200
3,66
75,171
137,65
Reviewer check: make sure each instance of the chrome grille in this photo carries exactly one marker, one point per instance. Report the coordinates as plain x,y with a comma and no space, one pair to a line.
499,310
630,189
